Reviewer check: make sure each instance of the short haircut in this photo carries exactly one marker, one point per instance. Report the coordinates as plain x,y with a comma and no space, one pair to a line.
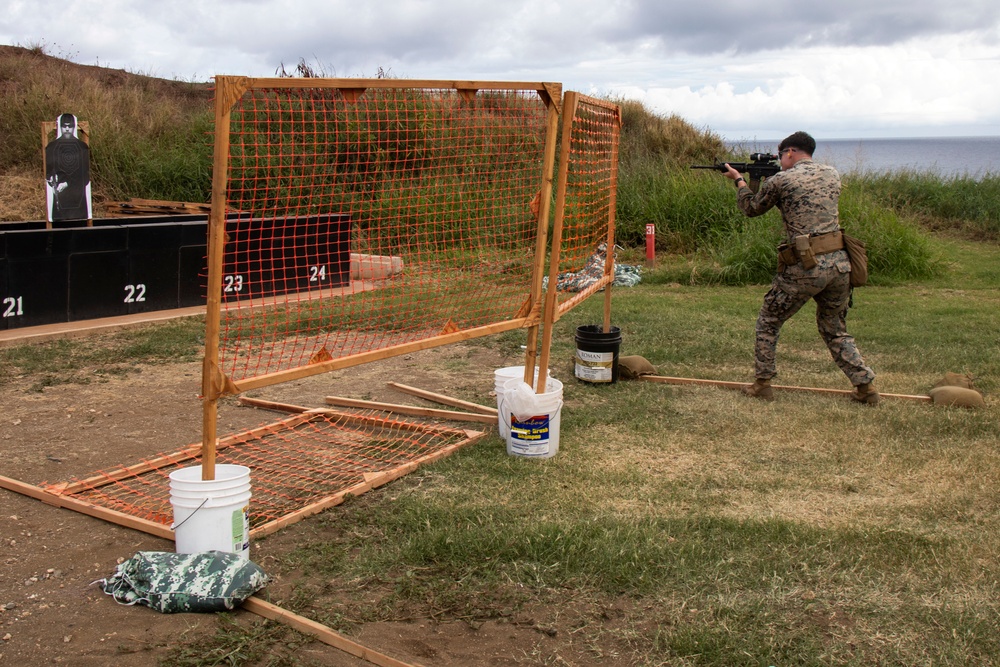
799,140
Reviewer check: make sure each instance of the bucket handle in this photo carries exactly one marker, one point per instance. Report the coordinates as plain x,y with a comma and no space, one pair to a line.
178,525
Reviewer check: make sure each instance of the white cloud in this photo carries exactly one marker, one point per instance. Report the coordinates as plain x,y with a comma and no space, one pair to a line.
853,68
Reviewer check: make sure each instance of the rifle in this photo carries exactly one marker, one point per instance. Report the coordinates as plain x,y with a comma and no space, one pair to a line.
761,166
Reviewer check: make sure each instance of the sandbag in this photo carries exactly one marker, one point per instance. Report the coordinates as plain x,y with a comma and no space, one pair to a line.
209,581
957,396
956,380
633,366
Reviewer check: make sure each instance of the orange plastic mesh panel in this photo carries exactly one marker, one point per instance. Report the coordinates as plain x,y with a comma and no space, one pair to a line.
373,218
591,180
296,463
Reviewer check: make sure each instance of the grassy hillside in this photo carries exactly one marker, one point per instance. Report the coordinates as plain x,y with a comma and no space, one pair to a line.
151,138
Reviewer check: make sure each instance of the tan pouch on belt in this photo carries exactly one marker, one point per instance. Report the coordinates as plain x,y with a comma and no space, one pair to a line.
805,252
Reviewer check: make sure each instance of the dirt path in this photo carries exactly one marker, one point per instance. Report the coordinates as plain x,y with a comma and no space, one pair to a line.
50,613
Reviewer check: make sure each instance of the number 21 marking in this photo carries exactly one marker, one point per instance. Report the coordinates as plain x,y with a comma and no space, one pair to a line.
13,306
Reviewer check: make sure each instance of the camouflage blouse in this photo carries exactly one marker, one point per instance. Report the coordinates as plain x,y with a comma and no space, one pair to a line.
807,196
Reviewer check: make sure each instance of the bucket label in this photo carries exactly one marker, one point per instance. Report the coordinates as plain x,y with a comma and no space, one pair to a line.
531,436
594,366
241,529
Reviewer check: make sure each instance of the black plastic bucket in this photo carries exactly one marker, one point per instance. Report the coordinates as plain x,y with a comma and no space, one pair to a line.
597,354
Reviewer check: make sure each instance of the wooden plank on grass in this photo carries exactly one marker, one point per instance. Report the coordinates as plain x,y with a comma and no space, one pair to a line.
410,410
737,385
321,632
444,400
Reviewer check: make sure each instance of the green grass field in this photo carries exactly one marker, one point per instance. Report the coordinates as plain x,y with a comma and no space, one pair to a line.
720,530
677,526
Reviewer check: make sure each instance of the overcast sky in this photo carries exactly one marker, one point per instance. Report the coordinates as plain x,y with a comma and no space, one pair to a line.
746,70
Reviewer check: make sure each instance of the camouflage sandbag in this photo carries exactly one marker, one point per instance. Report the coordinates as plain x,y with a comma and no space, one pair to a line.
210,581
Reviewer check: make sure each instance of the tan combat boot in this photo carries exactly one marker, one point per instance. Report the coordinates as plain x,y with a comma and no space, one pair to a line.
759,389
865,393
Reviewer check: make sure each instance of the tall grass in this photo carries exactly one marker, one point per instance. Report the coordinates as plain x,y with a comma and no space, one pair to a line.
150,137
687,209
966,203
695,213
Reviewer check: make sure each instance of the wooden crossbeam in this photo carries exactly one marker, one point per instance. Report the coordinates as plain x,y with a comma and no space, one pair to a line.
444,400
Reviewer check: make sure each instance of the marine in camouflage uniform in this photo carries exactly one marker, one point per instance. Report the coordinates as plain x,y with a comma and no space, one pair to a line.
807,194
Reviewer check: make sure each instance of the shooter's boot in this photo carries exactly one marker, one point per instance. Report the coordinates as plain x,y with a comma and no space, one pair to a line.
759,389
865,393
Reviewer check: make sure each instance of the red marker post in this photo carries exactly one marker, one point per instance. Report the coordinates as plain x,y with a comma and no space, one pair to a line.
650,245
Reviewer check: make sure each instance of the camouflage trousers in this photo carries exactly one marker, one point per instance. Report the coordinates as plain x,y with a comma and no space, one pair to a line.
792,289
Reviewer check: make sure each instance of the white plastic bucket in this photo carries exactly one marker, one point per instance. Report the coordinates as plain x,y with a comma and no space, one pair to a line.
536,437
211,515
500,378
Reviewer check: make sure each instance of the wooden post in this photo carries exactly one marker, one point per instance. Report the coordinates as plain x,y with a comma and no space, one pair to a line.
226,94
545,196
570,101
612,203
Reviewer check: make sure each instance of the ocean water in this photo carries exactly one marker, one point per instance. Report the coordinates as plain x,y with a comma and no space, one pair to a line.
973,157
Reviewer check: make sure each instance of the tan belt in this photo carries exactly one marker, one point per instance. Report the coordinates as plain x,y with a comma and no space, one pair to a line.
807,247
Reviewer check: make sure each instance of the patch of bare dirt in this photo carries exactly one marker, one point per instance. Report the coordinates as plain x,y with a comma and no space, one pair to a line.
50,611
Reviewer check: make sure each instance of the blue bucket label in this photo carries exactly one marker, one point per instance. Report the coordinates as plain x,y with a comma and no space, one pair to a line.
530,437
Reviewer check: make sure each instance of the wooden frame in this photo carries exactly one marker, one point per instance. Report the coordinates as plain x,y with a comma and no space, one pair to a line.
62,495
229,90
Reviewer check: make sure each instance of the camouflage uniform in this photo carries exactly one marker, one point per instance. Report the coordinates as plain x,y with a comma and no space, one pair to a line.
807,196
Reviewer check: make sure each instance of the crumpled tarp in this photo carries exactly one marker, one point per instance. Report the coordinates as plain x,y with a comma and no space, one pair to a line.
626,275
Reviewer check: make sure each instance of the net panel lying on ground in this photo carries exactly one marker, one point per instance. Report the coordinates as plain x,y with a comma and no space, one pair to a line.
374,217
295,463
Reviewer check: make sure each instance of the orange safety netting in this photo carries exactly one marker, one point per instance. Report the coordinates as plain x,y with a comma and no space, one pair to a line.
298,465
359,219
589,174
367,218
